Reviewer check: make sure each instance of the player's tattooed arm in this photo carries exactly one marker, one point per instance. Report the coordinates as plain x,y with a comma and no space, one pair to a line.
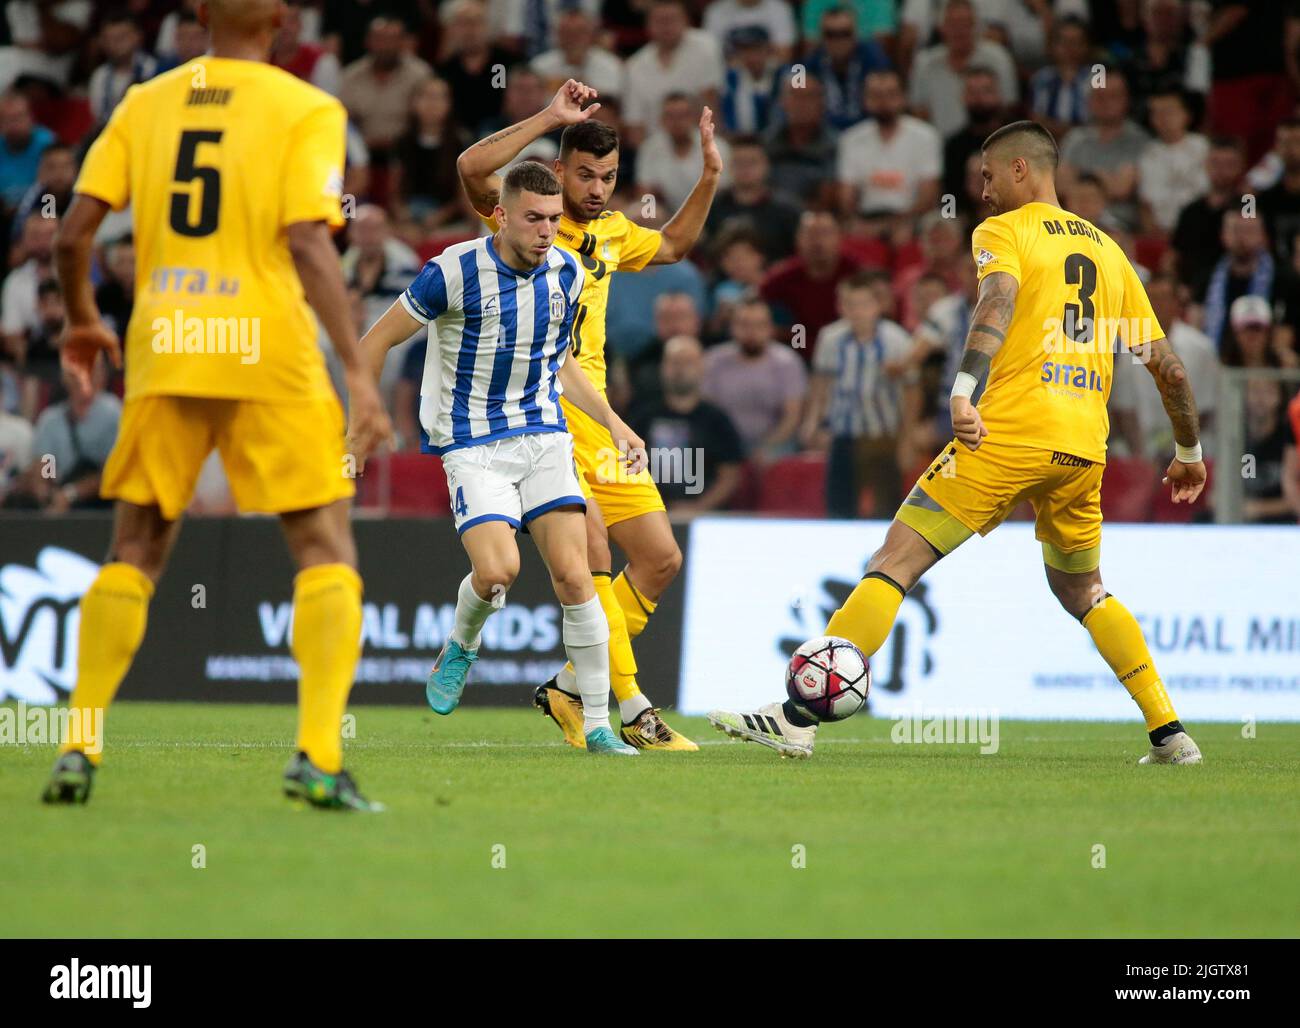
477,166
989,321
1175,390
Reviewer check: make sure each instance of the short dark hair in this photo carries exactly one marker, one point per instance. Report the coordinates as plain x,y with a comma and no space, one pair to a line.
1033,142
736,232
590,136
865,278
530,177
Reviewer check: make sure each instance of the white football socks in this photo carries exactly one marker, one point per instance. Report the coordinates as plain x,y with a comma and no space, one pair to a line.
472,611
586,640
628,709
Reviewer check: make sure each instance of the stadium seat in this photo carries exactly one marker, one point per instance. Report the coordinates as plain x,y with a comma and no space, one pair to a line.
1127,489
1150,251
404,483
747,493
795,486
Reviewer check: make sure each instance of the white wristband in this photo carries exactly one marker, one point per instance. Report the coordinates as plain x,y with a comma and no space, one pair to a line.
963,385
1188,454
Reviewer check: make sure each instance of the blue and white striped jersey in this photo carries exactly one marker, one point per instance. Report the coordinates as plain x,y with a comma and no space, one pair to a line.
496,343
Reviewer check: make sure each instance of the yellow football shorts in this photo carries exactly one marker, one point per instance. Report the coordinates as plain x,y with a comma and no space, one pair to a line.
621,495
278,457
964,492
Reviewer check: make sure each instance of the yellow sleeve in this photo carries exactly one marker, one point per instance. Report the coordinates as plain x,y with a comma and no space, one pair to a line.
313,173
1138,322
106,171
639,247
993,244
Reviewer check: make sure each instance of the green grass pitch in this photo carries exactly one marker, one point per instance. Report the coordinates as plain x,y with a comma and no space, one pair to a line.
898,840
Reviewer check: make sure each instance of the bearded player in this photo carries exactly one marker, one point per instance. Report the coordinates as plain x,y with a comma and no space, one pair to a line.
621,506
1056,295
233,170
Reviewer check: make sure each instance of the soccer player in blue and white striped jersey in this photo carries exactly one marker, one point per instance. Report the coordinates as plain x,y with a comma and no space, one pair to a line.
500,311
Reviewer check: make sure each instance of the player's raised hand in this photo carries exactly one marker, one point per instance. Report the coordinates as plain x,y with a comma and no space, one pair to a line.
79,348
967,425
708,145
1187,480
368,424
567,106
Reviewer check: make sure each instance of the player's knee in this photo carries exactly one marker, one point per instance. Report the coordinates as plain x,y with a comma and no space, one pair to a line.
660,567
572,582
497,574
1077,594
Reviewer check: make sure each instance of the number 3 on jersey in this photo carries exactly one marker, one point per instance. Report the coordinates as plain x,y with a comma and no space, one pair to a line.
207,184
1078,317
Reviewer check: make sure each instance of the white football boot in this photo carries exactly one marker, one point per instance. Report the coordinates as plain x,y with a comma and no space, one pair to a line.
768,727
1177,749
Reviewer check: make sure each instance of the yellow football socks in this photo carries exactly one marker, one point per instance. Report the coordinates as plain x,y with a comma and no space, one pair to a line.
326,645
1119,640
114,612
868,614
637,607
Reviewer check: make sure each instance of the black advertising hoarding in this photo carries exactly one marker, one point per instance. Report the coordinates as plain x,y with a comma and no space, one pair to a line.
219,622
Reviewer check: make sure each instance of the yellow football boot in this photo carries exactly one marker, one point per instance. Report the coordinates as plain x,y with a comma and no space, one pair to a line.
648,731
564,709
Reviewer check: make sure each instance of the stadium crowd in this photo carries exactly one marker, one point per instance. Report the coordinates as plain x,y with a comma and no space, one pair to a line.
807,347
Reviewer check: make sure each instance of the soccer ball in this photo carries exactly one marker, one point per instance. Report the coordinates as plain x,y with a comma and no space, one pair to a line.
828,678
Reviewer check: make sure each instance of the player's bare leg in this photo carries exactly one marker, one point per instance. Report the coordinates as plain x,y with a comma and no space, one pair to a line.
562,541
865,620
494,566
643,727
114,612
1119,640
327,645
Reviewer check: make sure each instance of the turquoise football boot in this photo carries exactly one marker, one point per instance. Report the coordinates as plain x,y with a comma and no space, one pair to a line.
603,740
447,679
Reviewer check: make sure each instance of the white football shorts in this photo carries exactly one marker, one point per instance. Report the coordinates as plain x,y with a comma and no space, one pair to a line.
514,479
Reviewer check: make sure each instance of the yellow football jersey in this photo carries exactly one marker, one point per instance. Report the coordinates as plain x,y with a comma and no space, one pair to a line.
1079,301
217,158
610,243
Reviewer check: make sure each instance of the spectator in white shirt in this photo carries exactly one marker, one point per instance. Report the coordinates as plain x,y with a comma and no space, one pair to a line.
46,37
576,56
678,59
532,27
670,161
890,163
936,81
19,311
776,16
1171,171
124,65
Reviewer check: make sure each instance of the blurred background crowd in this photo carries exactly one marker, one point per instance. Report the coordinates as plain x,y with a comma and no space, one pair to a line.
806,348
